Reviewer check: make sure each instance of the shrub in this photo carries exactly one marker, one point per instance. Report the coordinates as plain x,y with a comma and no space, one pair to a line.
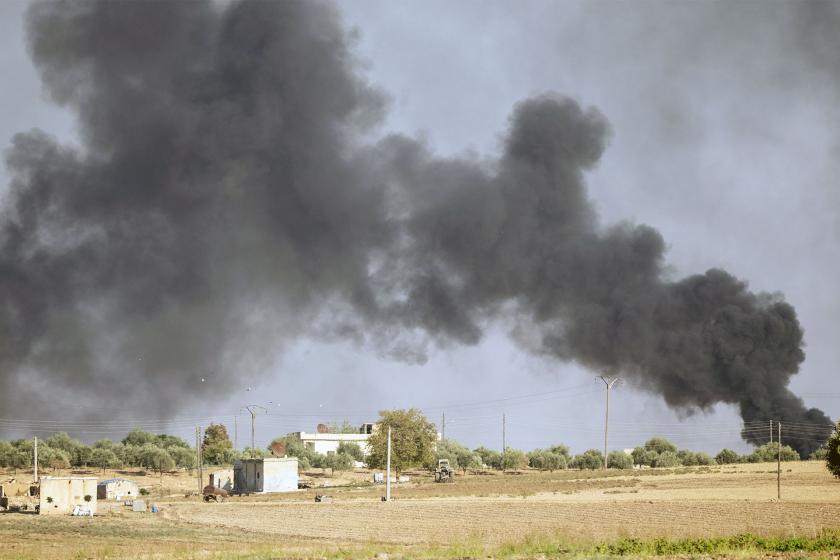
667,459
644,457
727,457
660,445
157,458
589,459
819,455
690,458
546,460
104,459
351,449
183,457
769,452
460,457
338,462
514,459
619,460
702,458
489,457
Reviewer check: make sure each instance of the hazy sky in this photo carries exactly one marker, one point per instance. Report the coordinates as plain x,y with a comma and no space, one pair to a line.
724,138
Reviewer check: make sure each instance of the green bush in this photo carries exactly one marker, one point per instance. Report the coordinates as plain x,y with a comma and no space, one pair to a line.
769,453
590,459
691,458
351,449
660,445
514,459
819,455
546,460
668,459
489,457
619,460
644,457
727,457
104,459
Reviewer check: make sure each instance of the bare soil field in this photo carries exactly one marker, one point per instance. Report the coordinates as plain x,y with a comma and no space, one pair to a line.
477,515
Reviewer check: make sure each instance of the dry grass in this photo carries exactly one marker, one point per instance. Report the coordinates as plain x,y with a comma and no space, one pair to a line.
500,515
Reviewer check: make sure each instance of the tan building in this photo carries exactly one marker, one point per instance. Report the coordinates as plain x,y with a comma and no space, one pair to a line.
62,494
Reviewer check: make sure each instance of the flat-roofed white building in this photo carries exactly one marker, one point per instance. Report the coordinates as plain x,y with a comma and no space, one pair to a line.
271,474
327,443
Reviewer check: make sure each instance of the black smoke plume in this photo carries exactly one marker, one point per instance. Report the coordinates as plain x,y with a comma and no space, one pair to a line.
223,199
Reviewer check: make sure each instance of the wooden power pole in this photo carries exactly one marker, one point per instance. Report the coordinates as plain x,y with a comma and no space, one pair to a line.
779,465
609,382
504,443
198,457
35,459
388,469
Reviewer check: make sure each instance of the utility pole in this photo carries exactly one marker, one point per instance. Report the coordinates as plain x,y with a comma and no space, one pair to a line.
443,427
779,465
252,409
504,445
609,382
198,458
388,469
35,459
235,434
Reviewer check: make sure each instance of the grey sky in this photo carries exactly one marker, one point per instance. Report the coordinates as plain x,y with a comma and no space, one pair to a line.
724,139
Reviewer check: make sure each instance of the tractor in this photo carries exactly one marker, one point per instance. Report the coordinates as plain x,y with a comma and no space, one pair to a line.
444,472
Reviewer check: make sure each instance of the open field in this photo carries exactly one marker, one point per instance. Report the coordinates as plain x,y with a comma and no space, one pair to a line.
564,513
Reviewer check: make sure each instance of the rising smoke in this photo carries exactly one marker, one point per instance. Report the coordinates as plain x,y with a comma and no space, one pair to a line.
224,199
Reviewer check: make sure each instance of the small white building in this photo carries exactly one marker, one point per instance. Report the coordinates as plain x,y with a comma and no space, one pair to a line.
62,494
271,474
327,443
117,489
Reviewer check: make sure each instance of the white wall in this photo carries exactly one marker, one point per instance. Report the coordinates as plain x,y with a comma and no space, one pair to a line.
273,474
59,495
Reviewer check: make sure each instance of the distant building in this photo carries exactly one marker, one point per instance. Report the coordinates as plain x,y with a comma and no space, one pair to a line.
327,443
271,474
62,494
117,489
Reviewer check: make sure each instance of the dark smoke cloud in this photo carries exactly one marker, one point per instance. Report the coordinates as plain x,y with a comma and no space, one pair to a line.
224,200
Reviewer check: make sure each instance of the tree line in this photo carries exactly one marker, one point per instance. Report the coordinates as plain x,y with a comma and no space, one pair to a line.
414,445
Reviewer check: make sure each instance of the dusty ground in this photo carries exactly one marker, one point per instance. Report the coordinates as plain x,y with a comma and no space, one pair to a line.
487,510
722,501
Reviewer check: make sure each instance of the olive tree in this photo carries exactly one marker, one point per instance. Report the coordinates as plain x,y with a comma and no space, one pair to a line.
413,440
